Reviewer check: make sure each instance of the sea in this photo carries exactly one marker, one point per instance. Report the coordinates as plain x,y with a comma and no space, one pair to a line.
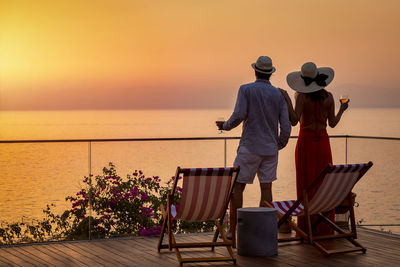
33,175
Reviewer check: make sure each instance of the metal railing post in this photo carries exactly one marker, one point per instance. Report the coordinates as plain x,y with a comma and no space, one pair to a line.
90,187
346,150
224,152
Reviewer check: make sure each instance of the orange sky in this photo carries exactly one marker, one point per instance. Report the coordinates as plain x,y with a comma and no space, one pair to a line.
189,54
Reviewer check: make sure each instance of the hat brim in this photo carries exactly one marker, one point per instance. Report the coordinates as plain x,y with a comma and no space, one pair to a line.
295,81
261,71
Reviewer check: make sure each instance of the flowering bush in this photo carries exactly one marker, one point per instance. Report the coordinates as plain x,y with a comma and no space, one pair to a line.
120,207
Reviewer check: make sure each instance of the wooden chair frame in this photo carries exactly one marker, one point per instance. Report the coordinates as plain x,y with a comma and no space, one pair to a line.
308,234
172,244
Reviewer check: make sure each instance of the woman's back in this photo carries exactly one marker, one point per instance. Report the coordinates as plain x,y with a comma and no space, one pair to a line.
316,111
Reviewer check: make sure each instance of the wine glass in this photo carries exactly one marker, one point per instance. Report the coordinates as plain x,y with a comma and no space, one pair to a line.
220,119
344,98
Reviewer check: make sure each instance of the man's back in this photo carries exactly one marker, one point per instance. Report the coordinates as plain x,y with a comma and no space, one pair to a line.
262,108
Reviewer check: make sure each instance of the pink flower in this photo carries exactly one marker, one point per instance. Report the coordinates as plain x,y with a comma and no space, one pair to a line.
115,191
144,196
77,203
150,231
134,191
147,211
144,232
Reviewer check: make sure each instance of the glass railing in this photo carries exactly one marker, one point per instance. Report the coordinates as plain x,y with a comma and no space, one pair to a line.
39,172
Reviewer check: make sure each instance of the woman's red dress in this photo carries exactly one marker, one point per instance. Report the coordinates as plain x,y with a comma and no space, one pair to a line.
313,153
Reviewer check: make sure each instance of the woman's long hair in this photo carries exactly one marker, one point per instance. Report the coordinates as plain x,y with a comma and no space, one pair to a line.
318,96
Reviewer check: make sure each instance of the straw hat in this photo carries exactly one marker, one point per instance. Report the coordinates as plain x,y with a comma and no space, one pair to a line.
310,78
264,65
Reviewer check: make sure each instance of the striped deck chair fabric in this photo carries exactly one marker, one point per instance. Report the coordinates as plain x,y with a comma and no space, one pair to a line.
336,186
283,207
206,193
336,183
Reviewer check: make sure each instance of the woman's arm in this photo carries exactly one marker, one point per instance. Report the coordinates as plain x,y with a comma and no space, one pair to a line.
334,120
294,114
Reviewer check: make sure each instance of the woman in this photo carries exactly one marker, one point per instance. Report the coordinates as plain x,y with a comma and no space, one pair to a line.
314,108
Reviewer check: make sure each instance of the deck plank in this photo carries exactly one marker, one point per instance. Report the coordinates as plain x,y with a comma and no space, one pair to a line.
3,262
71,253
188,253
57,255
122,251
9,257
48,260
139,251
90,256
90,250
149,252
28,257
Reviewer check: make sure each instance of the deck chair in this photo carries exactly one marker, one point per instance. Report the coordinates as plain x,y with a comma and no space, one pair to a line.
336,183
205,196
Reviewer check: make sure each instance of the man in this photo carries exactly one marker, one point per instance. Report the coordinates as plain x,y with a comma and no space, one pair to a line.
263,109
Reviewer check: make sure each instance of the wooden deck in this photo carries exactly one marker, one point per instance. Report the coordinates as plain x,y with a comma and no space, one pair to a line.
382,250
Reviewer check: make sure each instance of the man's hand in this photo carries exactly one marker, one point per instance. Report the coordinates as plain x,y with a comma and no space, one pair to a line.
285,94
220,125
